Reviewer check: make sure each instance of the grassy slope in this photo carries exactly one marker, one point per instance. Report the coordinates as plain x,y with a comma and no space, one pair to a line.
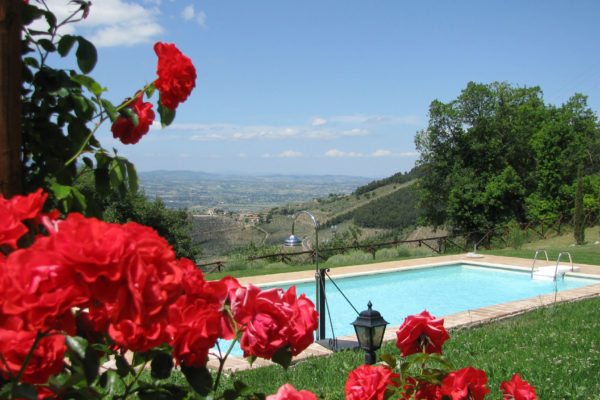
556,349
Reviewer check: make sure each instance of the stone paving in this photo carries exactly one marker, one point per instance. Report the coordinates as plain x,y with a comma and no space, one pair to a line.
452,321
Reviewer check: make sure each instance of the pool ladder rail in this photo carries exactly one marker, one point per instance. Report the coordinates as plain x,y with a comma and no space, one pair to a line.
548,271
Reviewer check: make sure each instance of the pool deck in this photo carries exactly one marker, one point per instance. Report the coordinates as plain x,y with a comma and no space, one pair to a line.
452,321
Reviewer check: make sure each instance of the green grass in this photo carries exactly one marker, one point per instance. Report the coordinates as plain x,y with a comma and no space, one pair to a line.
556,349
588,253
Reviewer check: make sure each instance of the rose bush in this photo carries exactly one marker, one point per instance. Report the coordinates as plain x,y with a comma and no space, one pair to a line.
85,304
67,304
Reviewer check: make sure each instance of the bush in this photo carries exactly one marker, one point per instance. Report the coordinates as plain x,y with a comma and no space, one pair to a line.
386,254
350,258
516,237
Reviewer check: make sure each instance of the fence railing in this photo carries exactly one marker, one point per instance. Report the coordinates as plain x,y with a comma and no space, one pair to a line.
542,229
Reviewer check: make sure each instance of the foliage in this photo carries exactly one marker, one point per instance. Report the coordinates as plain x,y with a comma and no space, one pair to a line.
172,224
516,237
497,153
63,108
400,177
578,220
352,257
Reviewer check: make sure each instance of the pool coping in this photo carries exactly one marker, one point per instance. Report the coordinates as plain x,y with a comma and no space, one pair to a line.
458,320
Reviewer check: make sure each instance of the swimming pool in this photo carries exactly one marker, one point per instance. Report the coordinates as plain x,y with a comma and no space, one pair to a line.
441,289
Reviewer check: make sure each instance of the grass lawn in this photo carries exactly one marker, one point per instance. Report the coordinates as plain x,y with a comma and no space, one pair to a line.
556,349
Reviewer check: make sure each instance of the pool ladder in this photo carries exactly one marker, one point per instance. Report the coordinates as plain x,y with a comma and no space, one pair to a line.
546,272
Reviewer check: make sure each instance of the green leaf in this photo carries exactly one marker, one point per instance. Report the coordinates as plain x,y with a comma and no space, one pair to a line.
109,380
83,355
130,114
65,44
389,359
230,394
86,55
76,346
30,13
110,110
88,162
32,62
283,356
132,177
241,387
47,45
161,366
89,83
26,391
116,174
150,90
60,191
251,359
166,116
199,379
51,19
123,367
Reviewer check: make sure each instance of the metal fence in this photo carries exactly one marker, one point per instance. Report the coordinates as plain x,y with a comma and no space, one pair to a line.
460,242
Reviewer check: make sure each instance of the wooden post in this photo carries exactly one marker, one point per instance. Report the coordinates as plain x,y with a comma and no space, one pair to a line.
10,97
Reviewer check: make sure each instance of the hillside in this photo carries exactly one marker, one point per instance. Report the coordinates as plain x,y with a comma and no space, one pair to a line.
381,209
199,191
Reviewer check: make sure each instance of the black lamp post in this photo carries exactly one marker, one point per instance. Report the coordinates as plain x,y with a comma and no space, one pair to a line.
293,241
369,327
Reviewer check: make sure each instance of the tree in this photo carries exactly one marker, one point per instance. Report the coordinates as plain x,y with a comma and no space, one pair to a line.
475,155
568,137
497,154
172,224
578,219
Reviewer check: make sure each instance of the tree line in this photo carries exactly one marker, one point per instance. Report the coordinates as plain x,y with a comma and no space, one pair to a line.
498,153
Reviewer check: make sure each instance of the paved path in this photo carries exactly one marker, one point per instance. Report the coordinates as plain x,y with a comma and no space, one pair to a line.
457,320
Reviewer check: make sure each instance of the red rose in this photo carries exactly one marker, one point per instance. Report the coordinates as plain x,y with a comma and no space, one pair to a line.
287,392
123,128
47,357
132,273
421,332
266,324
16,210
303,323
196,326
30,206
11,228
518,389
41,290
467,383
428,391
272,319
176,75
369,383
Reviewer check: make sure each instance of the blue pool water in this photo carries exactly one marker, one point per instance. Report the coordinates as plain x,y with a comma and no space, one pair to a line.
440,290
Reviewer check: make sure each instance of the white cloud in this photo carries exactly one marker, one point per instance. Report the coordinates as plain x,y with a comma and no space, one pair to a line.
377,119
212,132
285,154
355,132
339,153
111,22
381,153
189,13
319,122
290,153
185,155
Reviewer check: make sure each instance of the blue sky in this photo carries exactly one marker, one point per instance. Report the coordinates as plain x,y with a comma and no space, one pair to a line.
330,87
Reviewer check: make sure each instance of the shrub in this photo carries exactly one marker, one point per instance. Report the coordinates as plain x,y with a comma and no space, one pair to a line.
350,258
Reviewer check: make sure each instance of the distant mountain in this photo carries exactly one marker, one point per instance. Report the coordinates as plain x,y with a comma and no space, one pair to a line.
238,193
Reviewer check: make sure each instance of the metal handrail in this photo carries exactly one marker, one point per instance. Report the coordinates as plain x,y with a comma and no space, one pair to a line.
558,262
535,258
